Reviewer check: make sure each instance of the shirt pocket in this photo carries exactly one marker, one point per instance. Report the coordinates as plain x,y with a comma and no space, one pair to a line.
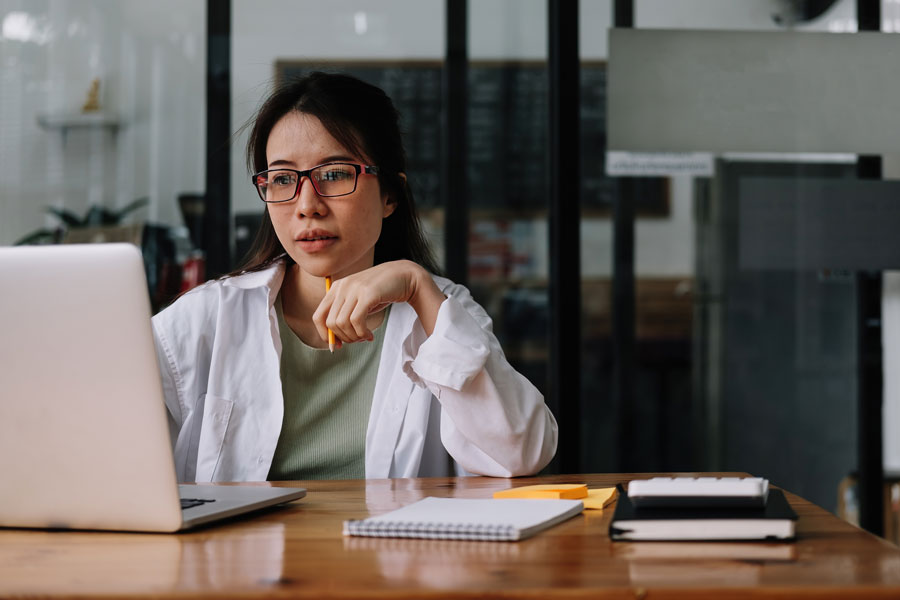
216,415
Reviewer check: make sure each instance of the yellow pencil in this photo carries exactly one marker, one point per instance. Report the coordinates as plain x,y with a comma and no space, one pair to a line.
330,332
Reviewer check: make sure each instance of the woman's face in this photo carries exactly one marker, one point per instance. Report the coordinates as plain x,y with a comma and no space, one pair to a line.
325,236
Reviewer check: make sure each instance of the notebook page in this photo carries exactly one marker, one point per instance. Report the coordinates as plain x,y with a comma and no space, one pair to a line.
472,518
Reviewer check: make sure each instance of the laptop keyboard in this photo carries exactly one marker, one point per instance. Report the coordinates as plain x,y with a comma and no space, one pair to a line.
192,502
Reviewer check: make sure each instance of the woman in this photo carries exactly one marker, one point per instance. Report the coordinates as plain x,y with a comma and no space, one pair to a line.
416,374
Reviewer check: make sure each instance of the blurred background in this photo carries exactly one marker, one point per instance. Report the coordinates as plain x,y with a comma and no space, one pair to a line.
734,300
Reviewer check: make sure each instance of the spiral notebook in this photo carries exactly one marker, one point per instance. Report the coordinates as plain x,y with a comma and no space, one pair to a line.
467,519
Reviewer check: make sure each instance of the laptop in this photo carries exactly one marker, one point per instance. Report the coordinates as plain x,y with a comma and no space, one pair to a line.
84,439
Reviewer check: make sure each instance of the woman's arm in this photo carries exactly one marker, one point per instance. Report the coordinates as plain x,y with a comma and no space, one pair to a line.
494,421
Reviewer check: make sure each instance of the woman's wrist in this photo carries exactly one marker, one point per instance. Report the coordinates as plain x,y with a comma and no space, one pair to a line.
426,297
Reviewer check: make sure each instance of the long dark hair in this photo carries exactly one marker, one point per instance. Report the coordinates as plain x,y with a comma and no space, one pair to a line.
363,119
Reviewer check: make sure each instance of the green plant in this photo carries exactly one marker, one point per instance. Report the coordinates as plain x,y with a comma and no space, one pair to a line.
96,216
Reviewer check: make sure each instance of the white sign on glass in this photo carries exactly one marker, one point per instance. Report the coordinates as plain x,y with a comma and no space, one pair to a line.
659,164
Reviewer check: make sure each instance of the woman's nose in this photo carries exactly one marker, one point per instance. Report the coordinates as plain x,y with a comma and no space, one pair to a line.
309,203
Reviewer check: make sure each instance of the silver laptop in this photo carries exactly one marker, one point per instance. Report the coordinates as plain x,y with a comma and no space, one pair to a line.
84,440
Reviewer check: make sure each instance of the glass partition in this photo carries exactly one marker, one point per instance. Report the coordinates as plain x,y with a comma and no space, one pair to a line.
752,360
508,176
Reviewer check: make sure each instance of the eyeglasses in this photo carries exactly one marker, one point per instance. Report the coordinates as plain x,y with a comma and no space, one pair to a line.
329,180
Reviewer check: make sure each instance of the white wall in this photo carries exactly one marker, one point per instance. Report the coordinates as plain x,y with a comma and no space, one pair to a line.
151,60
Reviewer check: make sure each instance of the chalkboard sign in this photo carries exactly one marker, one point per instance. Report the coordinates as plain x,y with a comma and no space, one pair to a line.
507,132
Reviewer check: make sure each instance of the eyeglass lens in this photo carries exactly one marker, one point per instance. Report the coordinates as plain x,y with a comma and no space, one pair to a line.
328,180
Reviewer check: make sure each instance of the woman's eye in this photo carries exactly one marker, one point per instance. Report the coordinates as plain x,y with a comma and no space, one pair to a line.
282,179
334,175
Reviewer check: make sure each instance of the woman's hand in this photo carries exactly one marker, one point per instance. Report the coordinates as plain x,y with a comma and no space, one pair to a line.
350,302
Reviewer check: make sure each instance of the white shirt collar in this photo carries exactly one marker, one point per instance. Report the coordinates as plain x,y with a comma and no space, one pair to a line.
270,277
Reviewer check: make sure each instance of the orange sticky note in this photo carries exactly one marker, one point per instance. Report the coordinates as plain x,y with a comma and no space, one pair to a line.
599,498
553,491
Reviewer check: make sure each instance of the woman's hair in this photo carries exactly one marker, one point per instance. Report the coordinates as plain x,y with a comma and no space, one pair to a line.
363,119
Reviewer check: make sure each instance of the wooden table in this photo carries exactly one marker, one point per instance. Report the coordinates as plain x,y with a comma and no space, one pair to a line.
298,551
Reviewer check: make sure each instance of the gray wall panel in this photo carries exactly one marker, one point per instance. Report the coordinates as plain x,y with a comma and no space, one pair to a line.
730,91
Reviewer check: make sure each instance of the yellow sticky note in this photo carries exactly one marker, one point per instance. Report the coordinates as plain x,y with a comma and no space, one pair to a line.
554,491
600,497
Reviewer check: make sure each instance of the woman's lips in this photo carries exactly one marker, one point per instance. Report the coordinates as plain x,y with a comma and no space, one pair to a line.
316,243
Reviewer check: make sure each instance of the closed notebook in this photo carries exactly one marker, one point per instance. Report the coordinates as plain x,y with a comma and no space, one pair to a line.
775,521
467,519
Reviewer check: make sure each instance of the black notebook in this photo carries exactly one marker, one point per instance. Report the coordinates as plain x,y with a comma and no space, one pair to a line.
775,521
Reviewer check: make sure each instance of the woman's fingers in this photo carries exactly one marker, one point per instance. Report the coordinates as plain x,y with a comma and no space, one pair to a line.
358,319
319,318
350,302
342,321
337,324
346,313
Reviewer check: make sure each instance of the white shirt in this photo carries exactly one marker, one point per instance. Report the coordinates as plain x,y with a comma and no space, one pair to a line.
451,392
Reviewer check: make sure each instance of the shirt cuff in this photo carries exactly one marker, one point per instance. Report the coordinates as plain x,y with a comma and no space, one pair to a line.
452,355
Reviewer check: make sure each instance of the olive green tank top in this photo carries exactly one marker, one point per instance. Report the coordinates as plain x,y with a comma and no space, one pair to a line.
327,399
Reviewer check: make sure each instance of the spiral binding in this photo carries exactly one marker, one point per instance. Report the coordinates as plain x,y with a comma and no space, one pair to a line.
432,531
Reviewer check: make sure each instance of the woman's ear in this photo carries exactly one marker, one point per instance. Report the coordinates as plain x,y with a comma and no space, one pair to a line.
390,205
